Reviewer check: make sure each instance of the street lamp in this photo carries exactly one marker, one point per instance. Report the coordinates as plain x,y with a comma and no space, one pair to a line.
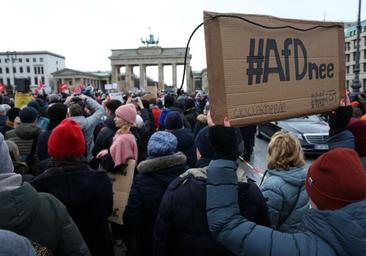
356,85
12,57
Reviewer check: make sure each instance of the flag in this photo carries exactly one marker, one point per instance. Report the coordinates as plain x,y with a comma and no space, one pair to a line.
63,87
82,85
40,87
2,88
77,90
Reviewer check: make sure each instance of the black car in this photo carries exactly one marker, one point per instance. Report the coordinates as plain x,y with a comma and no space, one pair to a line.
312,132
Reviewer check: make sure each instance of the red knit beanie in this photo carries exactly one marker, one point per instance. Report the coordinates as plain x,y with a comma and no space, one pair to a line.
66,139
127,112
335,179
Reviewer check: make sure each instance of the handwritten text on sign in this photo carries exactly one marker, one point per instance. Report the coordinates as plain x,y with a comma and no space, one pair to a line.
261,51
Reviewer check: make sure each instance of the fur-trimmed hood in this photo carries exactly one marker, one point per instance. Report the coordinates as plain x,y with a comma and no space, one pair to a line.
201,173
202,118
161,163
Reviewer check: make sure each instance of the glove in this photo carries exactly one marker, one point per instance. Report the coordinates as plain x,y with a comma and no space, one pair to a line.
223,140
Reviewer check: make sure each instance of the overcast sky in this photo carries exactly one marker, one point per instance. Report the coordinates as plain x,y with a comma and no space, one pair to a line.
85,31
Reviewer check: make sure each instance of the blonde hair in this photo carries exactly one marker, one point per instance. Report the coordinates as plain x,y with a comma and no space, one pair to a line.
284,151
125,127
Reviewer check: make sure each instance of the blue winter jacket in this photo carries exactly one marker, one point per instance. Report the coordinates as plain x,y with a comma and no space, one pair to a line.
287,199
338,232
344,139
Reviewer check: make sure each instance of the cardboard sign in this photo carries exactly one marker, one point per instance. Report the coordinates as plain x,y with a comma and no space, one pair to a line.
121,191
263,68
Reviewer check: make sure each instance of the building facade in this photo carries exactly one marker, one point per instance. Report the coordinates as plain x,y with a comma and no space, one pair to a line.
350,51
33,65
75,77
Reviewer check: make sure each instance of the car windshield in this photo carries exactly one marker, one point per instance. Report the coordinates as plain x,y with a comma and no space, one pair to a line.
312,118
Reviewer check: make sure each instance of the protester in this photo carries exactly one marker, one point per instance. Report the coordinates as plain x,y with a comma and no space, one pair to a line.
124,145
181,225
143,129
201,122
357,127
336,185
86,193
174,124
155,110
168,104
11,115
87,124
19,166
190,113
154,175
38,216
3,119
284,189
248,135
56,113
105,136
42,120
25,136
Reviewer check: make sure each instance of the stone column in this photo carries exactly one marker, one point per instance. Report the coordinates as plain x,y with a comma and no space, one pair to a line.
128,77
116,77
161,77
143,80
188,77
174,74
114,74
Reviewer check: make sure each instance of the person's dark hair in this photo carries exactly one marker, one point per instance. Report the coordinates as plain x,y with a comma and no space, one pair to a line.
153,101
56,113
169,101
179,105
112,105
13,113
76,110
146,104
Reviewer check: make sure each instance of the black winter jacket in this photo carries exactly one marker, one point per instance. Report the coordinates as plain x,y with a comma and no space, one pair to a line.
186,144
181,226
87,195
42,145
105,136
147,190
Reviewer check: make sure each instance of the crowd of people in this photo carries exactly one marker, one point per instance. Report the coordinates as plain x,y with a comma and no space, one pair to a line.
187,194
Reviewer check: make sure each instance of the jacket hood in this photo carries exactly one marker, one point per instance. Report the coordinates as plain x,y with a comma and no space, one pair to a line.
343,229
27,131
201,173
185,138
295,175
202,118
18,205
161,163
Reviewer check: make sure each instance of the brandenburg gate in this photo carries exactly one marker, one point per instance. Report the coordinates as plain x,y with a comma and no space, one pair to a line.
148,56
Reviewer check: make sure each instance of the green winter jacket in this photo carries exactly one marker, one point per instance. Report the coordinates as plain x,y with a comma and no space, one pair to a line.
41,218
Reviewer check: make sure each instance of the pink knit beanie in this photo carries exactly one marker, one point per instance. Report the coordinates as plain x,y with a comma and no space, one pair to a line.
127,112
